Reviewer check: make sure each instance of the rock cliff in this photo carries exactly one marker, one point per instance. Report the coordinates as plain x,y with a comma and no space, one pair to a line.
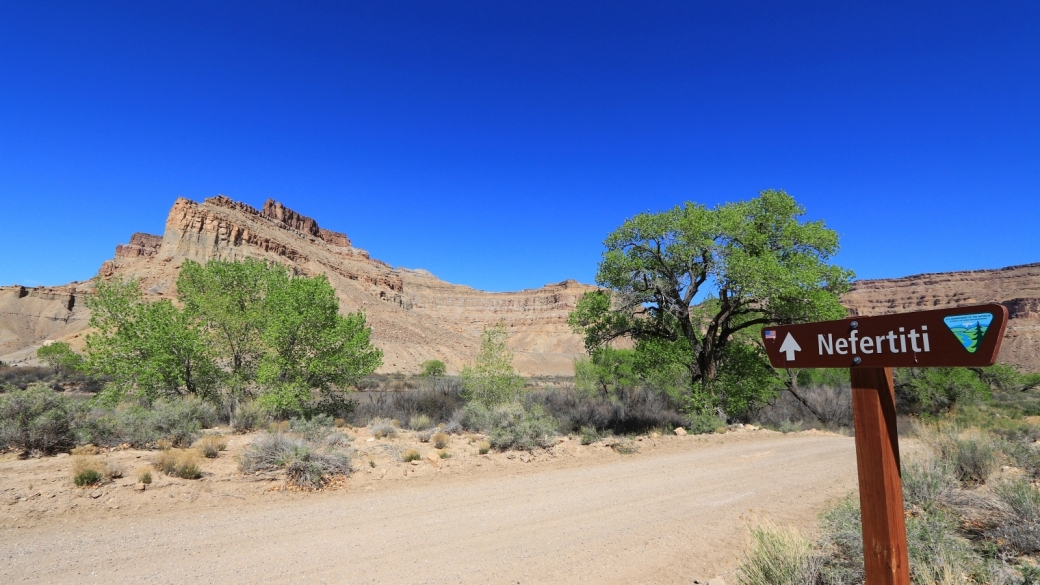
414,315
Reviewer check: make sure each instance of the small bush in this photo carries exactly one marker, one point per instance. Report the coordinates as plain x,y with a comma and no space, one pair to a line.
212,445
445,454
177,421
88,471
787,426
705,423
424,436
144,475
410,455
419,422
777,556
188,466
1018,531
483,447
316,429
304,465
433,368
927,483
37,421
382,428
179,463
87,449
588,435
440,440
624,446
248,416
512,425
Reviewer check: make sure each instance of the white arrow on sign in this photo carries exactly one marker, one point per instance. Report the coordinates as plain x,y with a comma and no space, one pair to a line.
790,346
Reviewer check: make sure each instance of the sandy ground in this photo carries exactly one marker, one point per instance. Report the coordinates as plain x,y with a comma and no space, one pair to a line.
673,512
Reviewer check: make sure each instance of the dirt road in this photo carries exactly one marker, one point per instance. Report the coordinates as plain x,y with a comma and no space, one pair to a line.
667,515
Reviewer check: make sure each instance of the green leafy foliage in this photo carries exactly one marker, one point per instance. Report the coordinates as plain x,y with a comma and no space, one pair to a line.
246,328
146,349
431,368
37,420
60,356
688,283
491,380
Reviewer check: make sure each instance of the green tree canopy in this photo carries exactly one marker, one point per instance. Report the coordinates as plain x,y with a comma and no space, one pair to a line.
690,282
60,356
279,332
245,328
150,348
491,380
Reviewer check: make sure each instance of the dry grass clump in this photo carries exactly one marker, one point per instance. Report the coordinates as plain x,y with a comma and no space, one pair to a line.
483,447
179,463
624,446
777,556
144,475
440,440
212,445
88,470
419,422
83,450
382,427
424,436
305,466
410,455
444,454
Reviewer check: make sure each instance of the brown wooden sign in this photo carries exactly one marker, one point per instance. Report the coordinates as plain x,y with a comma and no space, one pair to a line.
870,347
965,336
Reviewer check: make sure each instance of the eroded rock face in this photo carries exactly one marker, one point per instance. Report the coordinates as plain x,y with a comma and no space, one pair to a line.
1015,287
414,315
31,315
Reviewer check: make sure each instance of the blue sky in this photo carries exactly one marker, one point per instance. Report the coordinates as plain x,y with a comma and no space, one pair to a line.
496,144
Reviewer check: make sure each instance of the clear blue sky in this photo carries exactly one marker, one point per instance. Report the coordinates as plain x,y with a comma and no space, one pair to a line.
496,144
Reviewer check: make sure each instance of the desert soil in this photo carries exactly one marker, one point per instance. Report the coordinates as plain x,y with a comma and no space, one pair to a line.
673,512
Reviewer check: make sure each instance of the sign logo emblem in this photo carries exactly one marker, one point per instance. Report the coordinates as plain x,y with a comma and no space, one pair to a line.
969,329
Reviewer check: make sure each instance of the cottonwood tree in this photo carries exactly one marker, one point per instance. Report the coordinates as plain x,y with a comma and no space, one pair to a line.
694,285
490,380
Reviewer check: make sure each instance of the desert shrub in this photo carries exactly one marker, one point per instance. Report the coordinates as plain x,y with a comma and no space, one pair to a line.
88,471
211,446
87,449
588,435
440,440
182,463
37,421
304,465
624,446
444,454
144,475
438,398
937,553
424,436
382,428
704,423
419,422
247,417
433,368
777,556
483,447
927,482
1018,530
833,402
512,425
336,440
410,455
188,465
632,411
972,456
316,429
178,421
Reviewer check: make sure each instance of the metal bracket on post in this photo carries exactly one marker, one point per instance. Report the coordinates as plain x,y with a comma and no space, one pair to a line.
880,483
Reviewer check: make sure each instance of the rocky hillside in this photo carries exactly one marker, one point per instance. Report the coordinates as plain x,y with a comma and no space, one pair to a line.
1015,287
414,315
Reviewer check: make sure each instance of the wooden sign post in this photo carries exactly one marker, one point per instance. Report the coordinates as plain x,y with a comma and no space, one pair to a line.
870,347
